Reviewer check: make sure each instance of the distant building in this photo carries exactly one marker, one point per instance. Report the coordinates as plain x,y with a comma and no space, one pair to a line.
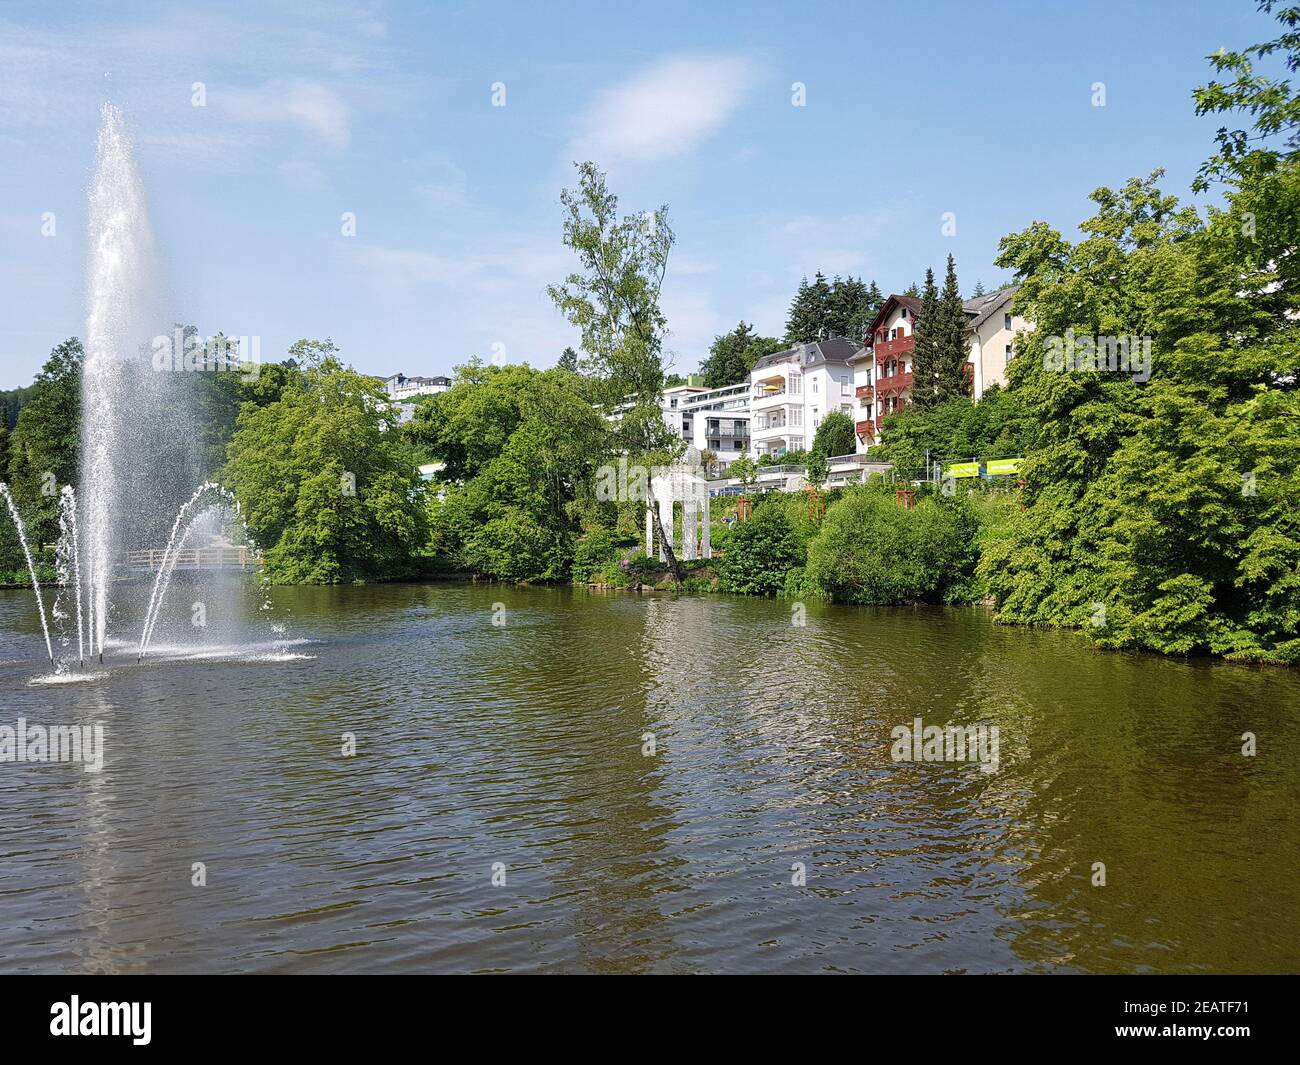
403,391
791,392
400,387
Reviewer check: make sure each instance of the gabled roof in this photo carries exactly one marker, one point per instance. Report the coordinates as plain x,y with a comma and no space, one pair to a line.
982,308
912,304
835,350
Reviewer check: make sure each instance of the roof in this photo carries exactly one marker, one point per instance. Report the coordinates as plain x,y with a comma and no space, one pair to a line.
982,308
836,350
912,304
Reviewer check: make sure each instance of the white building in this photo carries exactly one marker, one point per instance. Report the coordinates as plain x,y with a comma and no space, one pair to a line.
793,390
401,388
710,419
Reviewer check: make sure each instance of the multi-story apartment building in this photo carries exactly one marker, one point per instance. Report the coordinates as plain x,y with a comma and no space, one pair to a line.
882,370
793,390
710,419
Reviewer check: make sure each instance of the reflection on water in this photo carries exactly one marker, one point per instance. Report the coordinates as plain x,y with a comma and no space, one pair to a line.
480,744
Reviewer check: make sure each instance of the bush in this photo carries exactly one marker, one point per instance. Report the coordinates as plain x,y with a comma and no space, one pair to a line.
514,547
591,554
872,550
760,552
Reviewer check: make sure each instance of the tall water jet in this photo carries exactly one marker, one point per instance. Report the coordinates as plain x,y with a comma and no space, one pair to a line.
121,314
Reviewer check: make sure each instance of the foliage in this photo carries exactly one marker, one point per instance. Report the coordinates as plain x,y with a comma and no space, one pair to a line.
1165,515
520,448
732,356
925,347
870,549
843,307
959,430
835,435
760,551
326,484
43,451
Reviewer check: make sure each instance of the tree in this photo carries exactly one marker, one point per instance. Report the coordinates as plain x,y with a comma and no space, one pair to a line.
925,348
870,550
745,471
843,307
835,435
520,448
568,360
614,300
1162,507
326,483
817,468
951,349
45,446
732,356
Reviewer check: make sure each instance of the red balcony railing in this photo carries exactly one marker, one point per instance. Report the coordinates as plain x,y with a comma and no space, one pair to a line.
891,349
892,386
864,392
866,430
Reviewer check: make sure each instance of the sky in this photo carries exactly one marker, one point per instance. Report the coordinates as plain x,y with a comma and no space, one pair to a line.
389,112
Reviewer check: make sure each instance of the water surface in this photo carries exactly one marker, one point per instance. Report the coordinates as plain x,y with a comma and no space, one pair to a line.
522,744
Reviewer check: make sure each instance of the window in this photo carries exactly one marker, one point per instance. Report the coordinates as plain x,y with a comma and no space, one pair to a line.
1009,353
814,384
904,312
1006,320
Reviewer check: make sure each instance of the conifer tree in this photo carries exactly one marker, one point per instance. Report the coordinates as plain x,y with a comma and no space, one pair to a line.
951,349
927,328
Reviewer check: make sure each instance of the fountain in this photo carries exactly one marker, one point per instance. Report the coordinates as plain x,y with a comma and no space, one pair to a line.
140,437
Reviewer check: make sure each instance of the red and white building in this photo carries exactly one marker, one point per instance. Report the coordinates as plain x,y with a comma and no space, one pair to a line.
882,370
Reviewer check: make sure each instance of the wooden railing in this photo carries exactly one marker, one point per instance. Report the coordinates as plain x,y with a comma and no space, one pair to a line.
195,558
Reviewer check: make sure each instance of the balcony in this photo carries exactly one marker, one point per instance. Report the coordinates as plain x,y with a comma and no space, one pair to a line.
864,392
892,386
892,349
866,431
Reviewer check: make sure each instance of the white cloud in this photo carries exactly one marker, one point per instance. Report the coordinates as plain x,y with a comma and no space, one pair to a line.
665,111
307,104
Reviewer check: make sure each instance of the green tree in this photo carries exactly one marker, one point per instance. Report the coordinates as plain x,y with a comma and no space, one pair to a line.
520,448
326,483
613,298
732,356
835,435
928,328
951,349
45,446
871,550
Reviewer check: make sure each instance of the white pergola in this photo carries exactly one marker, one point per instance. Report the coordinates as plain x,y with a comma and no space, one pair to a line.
683,483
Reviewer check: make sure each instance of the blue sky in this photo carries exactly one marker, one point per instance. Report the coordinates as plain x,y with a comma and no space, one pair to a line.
385,110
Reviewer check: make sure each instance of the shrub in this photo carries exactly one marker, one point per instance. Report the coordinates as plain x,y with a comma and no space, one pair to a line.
871,550
591,554
760,552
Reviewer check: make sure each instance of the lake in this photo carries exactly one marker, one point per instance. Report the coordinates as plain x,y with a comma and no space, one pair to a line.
501,812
